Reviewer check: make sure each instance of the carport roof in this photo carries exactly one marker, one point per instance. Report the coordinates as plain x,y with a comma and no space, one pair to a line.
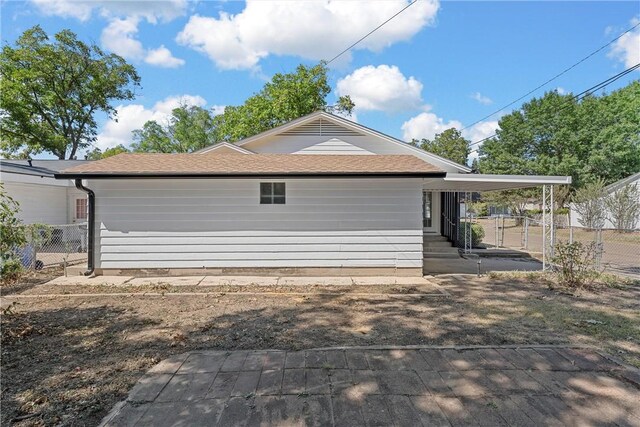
486,182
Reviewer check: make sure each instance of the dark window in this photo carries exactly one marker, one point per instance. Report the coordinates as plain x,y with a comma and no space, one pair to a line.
272,193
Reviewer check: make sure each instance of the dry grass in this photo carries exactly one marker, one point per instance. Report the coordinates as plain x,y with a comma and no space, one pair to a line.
67,360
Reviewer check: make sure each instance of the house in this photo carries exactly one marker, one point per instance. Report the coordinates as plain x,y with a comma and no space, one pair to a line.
608,190
320,195
42,198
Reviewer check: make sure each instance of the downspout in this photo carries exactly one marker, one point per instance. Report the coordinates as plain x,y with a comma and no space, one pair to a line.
91,219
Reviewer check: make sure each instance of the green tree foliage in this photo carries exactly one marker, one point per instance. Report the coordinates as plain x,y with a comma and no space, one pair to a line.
13,234
52,90
598,137
97,154
189,129
286,97
449,144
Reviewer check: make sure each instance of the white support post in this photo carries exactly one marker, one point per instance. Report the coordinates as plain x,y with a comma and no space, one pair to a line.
548,228
468,245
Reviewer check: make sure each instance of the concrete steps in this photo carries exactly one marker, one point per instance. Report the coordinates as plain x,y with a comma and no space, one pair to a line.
436,246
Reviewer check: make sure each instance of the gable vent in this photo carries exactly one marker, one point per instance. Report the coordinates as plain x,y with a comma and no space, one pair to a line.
320,127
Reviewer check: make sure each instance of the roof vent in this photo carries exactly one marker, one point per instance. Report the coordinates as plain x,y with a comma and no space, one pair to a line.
320,127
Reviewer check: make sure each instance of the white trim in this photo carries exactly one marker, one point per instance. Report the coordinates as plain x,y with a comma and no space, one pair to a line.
511,179
224,145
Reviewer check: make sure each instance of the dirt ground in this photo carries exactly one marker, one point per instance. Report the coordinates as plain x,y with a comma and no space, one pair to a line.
66,360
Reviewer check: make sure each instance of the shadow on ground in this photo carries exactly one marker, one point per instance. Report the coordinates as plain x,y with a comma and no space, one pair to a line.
69,360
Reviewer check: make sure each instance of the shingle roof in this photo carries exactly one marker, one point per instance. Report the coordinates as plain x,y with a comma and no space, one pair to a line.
137,164
43,168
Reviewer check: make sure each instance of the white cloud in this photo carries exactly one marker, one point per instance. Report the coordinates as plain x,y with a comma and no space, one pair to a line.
119,38
162,57
627,48
484,100
134,116
561,90
426,125
308,29
382,88
480,131
151,10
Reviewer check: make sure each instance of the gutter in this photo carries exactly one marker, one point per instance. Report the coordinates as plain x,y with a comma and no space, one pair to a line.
152,175
91,219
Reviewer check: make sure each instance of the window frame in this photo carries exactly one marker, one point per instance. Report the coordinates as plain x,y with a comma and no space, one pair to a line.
82,208
273,193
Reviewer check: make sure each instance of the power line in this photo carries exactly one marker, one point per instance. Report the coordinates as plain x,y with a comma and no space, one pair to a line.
578,97
371,32
554,77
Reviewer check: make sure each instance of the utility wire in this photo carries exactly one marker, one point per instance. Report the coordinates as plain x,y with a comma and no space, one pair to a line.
554,77
371,32
578,97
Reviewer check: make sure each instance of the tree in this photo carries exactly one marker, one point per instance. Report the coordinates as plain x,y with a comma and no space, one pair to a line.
589,202
51,92
623,207
598,137
449,144
97,154
189,129
286,97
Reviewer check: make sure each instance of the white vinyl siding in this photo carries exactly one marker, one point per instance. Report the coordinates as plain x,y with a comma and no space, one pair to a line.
333,146
221,223
44,204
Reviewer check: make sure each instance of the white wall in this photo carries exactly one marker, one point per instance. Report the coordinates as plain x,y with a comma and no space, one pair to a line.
219,223
576,217
39,203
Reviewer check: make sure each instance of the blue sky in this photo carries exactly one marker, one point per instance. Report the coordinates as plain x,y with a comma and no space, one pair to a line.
435,66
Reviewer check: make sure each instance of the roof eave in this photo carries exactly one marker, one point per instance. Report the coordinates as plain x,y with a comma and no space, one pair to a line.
90,175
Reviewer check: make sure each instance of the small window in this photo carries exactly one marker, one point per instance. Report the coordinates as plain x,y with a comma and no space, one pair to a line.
272,193
81,208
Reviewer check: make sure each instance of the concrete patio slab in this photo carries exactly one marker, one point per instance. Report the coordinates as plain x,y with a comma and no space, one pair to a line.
239,281
315,281
173,281
549,385
470,265
84,280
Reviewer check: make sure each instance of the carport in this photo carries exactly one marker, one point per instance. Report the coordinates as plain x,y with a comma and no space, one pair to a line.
454,184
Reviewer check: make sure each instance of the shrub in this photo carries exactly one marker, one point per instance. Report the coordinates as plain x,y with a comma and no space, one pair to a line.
13,235
477,234
575,263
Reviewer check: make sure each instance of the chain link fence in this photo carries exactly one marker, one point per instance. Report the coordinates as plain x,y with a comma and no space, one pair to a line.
52,245
617,251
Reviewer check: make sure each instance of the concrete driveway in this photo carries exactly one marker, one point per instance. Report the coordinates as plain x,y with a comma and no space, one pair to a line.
403,386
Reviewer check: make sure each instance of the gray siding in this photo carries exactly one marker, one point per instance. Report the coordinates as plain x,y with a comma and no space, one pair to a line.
220,223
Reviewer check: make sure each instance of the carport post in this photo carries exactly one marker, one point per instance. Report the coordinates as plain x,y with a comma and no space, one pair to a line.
548,234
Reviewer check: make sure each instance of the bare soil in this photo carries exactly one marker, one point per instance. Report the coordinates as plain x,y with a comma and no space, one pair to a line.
67,360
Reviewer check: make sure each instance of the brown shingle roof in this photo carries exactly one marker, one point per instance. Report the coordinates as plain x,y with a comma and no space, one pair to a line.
138,164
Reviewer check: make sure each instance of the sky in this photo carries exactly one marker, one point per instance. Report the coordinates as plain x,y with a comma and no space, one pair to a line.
436,65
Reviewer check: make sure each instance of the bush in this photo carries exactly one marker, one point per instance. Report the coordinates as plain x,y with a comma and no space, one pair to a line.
477,234
575,263
13,235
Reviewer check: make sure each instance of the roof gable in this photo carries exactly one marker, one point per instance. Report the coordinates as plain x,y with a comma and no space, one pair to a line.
333,146
321,123
226,148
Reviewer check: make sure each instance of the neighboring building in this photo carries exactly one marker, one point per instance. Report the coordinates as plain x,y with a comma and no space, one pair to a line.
610,189
320,195
42,198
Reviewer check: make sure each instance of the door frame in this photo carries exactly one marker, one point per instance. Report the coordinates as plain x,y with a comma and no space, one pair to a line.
435,212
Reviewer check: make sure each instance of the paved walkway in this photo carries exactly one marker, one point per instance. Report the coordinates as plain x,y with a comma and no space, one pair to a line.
526,386
241,280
